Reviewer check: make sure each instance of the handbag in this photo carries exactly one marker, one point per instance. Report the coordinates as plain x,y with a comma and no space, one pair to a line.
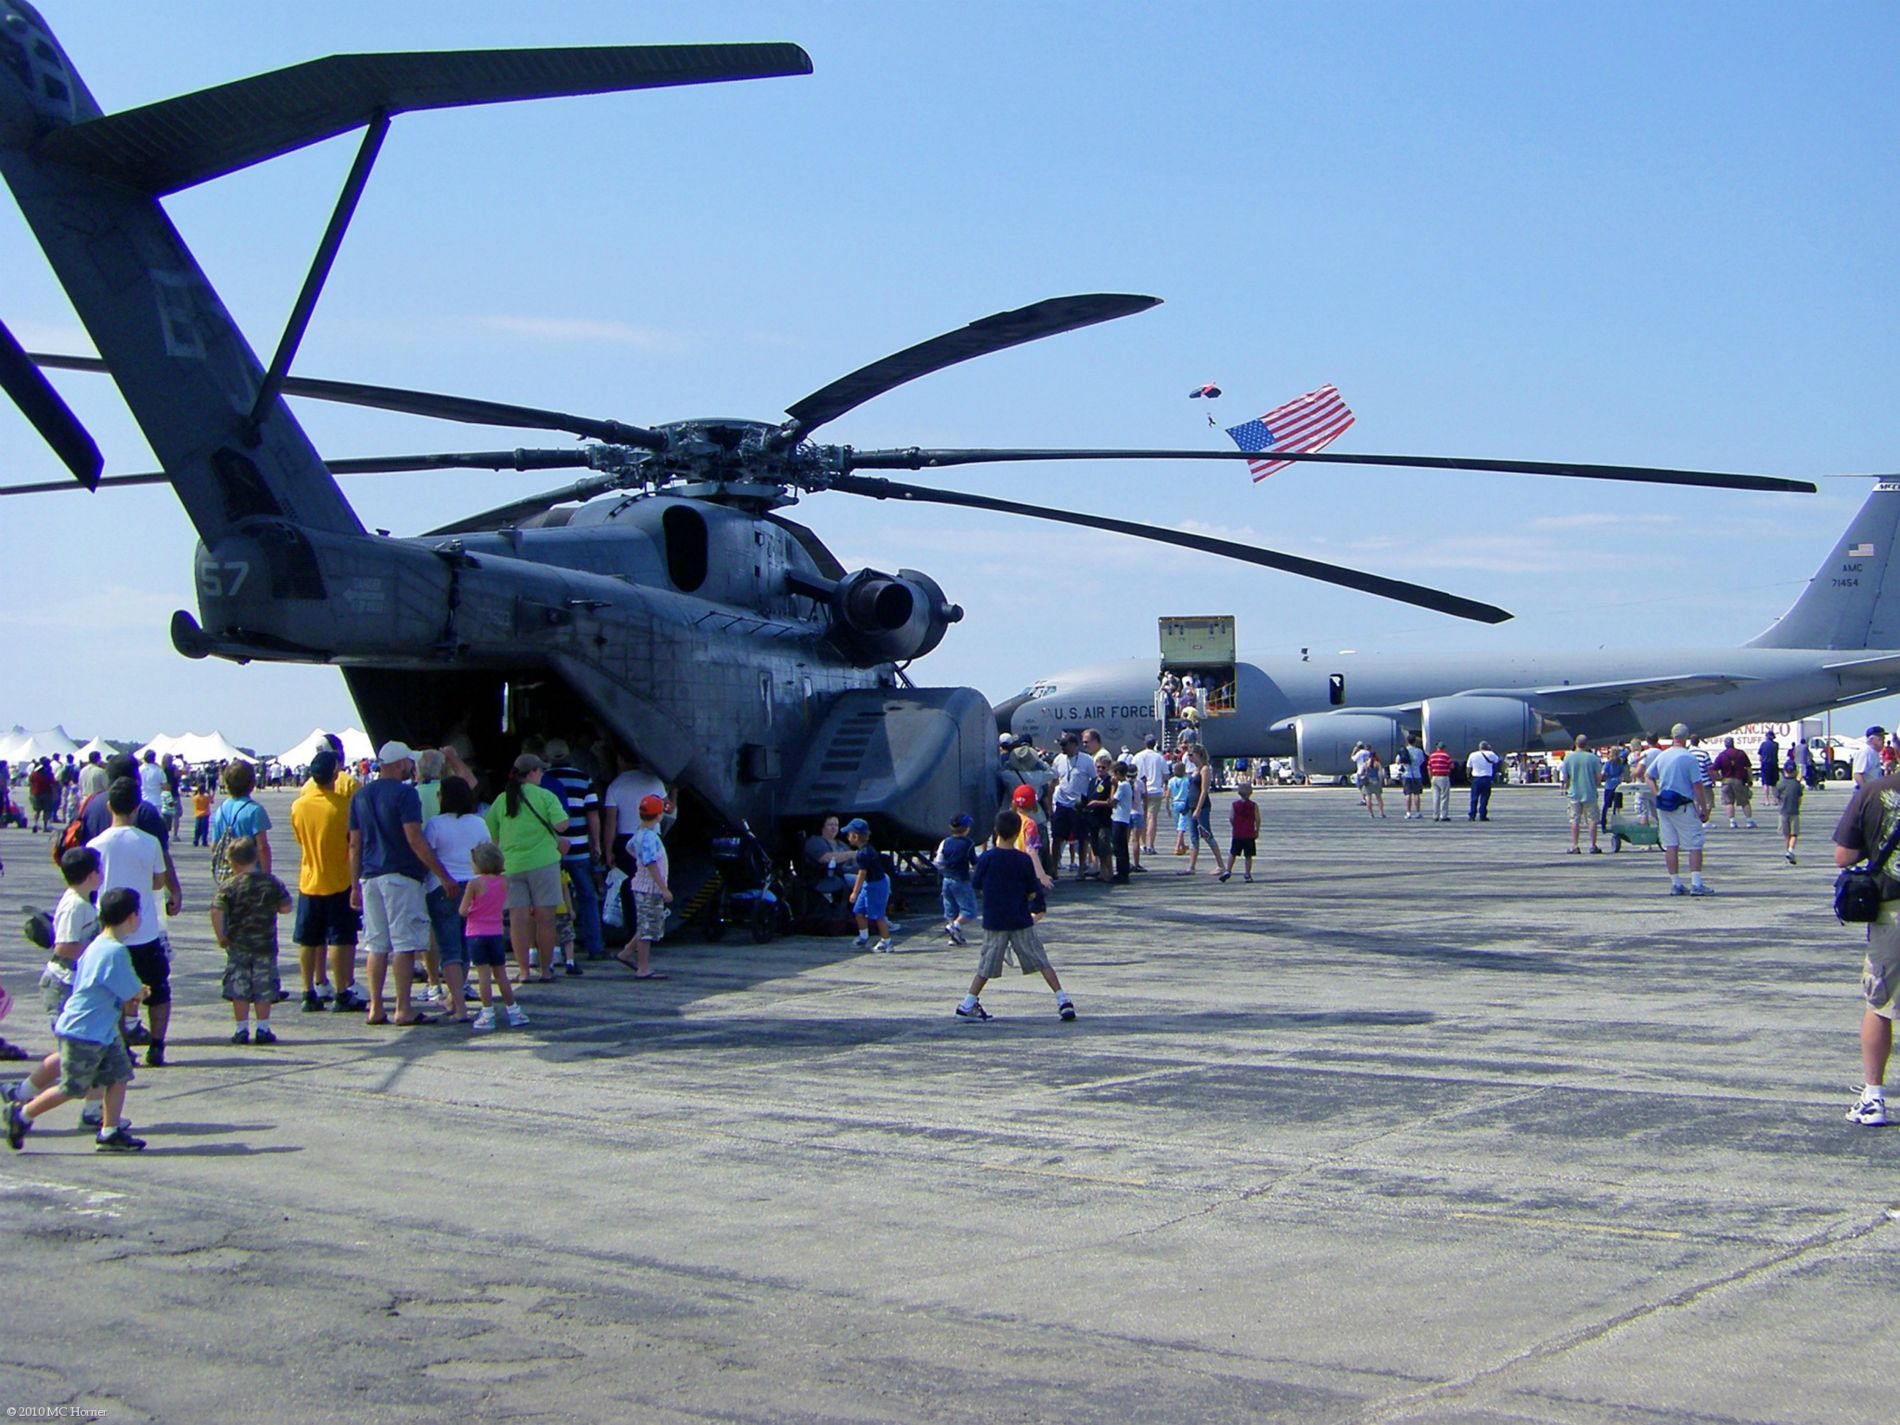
1857,889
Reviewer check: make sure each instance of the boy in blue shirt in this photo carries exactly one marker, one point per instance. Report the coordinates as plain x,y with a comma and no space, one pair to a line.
91,1053
955,860
1007,878
871,892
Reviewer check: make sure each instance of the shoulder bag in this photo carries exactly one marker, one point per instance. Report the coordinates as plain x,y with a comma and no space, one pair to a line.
1857,889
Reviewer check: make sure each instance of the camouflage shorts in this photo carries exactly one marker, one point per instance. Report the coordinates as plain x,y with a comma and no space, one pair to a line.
85,1066
251,979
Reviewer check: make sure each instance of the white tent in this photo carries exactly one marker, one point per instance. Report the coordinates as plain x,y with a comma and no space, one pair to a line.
20,745
195,748
356,746
98,744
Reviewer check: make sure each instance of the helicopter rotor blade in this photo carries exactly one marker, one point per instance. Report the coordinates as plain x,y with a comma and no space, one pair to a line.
471,410
998,332
48,412
361,465
918,459
1417,594
517,510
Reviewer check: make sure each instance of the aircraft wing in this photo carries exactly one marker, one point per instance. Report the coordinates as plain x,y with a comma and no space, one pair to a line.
1561,698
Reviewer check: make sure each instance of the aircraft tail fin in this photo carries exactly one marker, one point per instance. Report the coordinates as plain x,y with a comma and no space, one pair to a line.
1853,600
175,143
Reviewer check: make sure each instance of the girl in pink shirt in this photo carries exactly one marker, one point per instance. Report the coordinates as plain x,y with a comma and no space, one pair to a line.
483,900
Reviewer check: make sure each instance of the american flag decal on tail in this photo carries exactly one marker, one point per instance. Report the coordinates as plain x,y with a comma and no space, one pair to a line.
1861,551
1312,422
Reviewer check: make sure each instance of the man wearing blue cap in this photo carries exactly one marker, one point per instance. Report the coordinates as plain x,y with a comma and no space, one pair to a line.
1867,757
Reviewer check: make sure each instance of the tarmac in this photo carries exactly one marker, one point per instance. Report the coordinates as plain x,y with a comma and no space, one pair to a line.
1428,1123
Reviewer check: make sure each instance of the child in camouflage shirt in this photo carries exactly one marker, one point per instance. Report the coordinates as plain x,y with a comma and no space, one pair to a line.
244,918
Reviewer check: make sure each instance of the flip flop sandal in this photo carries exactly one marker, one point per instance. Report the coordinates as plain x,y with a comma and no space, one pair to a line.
649,975
412,1023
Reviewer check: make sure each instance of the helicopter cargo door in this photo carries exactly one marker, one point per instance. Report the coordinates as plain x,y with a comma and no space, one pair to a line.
906,761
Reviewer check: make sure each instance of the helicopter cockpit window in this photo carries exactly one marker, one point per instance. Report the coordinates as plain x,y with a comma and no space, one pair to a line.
685,531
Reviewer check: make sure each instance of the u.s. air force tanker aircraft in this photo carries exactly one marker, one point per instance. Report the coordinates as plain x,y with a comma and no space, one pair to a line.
1838,644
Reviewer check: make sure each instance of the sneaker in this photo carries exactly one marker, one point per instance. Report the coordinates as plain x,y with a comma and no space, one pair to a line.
1867,1112
482,1022
957,937
883,947
325,993
1702,890
469,996
265,1035
312,1003
1789,855
1678,889
974,1013
1225,876
18,1126
573,968
138,1034
1065,1011
349,1002
117,1141
1751,823
1247,876
241,1035
864,942
1731,823
155,1056
516,1018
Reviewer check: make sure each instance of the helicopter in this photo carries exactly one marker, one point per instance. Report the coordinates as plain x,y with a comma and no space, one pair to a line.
664,598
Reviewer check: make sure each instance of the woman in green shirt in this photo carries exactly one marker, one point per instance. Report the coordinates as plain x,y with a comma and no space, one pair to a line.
524,823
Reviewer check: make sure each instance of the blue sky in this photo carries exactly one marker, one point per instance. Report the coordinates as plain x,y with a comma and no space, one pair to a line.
1617,232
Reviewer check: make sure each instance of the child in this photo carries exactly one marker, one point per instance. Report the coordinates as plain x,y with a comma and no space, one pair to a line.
91,1053
1245,822
201,815
1007,878
1791,793
244,920
648,887
1180,797
871,891
1121,815
954,862
483,900
75,926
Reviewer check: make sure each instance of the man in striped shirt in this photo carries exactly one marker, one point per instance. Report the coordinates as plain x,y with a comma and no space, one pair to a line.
584,860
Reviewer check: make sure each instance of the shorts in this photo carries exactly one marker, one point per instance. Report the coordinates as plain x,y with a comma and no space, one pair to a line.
1412,786
1680,828
959,899
489,950
539,889
1791,823
649,915
873,899
1880,973
56,987
1770,774
326,920
251,979
1066,825
395,922
1181,823
446,921
1000,947
85,1066
152,962
1583,813
1241,846
1737,791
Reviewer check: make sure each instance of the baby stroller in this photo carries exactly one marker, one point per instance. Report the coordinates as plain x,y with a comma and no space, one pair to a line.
749,892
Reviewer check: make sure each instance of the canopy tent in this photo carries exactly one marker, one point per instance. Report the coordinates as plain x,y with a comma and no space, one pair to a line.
195,748
102,747
356,747
20,745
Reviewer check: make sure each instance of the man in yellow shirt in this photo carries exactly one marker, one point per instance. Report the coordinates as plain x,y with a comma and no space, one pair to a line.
320,820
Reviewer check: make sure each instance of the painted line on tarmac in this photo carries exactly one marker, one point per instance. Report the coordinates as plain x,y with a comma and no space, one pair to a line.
1564,1224
1063,1173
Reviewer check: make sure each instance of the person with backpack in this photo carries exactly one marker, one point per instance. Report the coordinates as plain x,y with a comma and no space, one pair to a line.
238,816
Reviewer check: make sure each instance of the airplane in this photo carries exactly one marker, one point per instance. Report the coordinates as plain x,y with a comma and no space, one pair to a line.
1838,644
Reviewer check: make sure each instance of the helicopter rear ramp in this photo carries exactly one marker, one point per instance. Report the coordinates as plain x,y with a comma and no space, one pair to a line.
905,760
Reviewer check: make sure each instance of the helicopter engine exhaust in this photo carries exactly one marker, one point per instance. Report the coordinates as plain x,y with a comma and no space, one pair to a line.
886,618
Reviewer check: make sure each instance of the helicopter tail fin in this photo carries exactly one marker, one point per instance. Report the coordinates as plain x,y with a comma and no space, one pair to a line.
175,143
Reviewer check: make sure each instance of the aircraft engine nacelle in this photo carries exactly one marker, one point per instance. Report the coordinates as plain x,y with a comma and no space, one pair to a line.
1323,742
1508,724
886,618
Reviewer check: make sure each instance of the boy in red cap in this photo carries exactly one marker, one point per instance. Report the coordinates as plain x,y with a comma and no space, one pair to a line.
651,895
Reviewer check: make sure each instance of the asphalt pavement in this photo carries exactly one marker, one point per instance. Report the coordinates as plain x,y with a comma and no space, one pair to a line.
1427,1123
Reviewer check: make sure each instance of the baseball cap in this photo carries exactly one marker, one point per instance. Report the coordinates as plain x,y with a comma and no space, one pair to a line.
961,820
857,826
1875,732
1681,729
1023,796
651,806
1006,740
527,764
393,751
1150,741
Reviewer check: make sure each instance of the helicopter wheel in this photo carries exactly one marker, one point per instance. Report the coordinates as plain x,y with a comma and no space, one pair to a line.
763,922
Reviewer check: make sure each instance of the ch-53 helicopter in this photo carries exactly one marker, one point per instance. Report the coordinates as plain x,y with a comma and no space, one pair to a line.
718,642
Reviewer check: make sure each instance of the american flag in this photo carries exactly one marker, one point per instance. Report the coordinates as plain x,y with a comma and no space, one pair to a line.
1859,551
1312,422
